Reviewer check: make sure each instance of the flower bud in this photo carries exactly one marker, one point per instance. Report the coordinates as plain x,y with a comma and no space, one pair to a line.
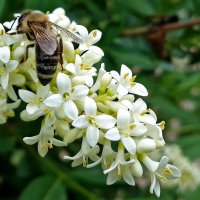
72,135
68,51
146,145
62,127
160,144
105,81
136,169
19,52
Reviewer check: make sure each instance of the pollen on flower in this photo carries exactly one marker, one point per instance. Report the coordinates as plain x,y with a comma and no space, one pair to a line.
163,177
162,125
94,33
91,119
168,171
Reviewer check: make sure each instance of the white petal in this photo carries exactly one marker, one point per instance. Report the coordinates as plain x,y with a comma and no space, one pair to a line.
70,109
27,96
115,75
11,93
4,80
124,71
175,172
129,144
32,108
90,107
63,82
153,182
4,54
127,176
154,131
137,169
92,135
112,167
53,101
121,90
139,106
112,134
92,56
80,122
83,32
163,162
138,89
12,65
58,143
79,92
139,130
71,68
31,140
112,177
42,148
123,118
128,104
147,119
94,37
105,121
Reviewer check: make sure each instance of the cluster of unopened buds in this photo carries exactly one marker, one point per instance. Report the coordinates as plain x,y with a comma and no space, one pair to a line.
101,109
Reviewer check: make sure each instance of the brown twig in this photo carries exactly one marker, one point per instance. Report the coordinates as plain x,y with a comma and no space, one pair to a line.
166,27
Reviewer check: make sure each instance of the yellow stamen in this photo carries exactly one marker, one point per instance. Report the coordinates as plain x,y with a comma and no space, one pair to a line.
162,125
168,171
91,119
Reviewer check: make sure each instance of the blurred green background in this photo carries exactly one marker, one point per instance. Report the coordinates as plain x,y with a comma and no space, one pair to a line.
171,76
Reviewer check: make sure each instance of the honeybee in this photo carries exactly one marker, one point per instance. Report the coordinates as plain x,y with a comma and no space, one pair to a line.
48,42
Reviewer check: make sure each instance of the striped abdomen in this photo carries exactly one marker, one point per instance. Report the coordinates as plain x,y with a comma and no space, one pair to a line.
46,64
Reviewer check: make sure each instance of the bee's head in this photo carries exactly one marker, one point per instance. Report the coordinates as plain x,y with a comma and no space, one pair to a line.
23,15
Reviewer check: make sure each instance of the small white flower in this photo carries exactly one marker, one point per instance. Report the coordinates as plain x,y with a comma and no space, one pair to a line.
35,101
107,156
81,71
160,171
120,168
45,140
140,112
124,131
88,38
85,152
127,84
10,66
93,122
67,95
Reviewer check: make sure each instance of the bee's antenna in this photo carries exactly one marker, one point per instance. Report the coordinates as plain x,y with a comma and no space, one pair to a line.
14,22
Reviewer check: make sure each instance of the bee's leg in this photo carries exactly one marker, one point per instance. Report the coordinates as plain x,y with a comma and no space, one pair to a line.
61,51
26,56
16,32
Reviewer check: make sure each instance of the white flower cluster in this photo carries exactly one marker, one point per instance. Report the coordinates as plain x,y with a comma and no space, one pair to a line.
116,129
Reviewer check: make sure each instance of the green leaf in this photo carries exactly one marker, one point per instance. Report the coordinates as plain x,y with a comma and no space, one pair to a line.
144,7
2,7
44,188
190,145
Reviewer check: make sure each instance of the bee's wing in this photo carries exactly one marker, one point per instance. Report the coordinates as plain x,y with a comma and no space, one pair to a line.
69,34
45,40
